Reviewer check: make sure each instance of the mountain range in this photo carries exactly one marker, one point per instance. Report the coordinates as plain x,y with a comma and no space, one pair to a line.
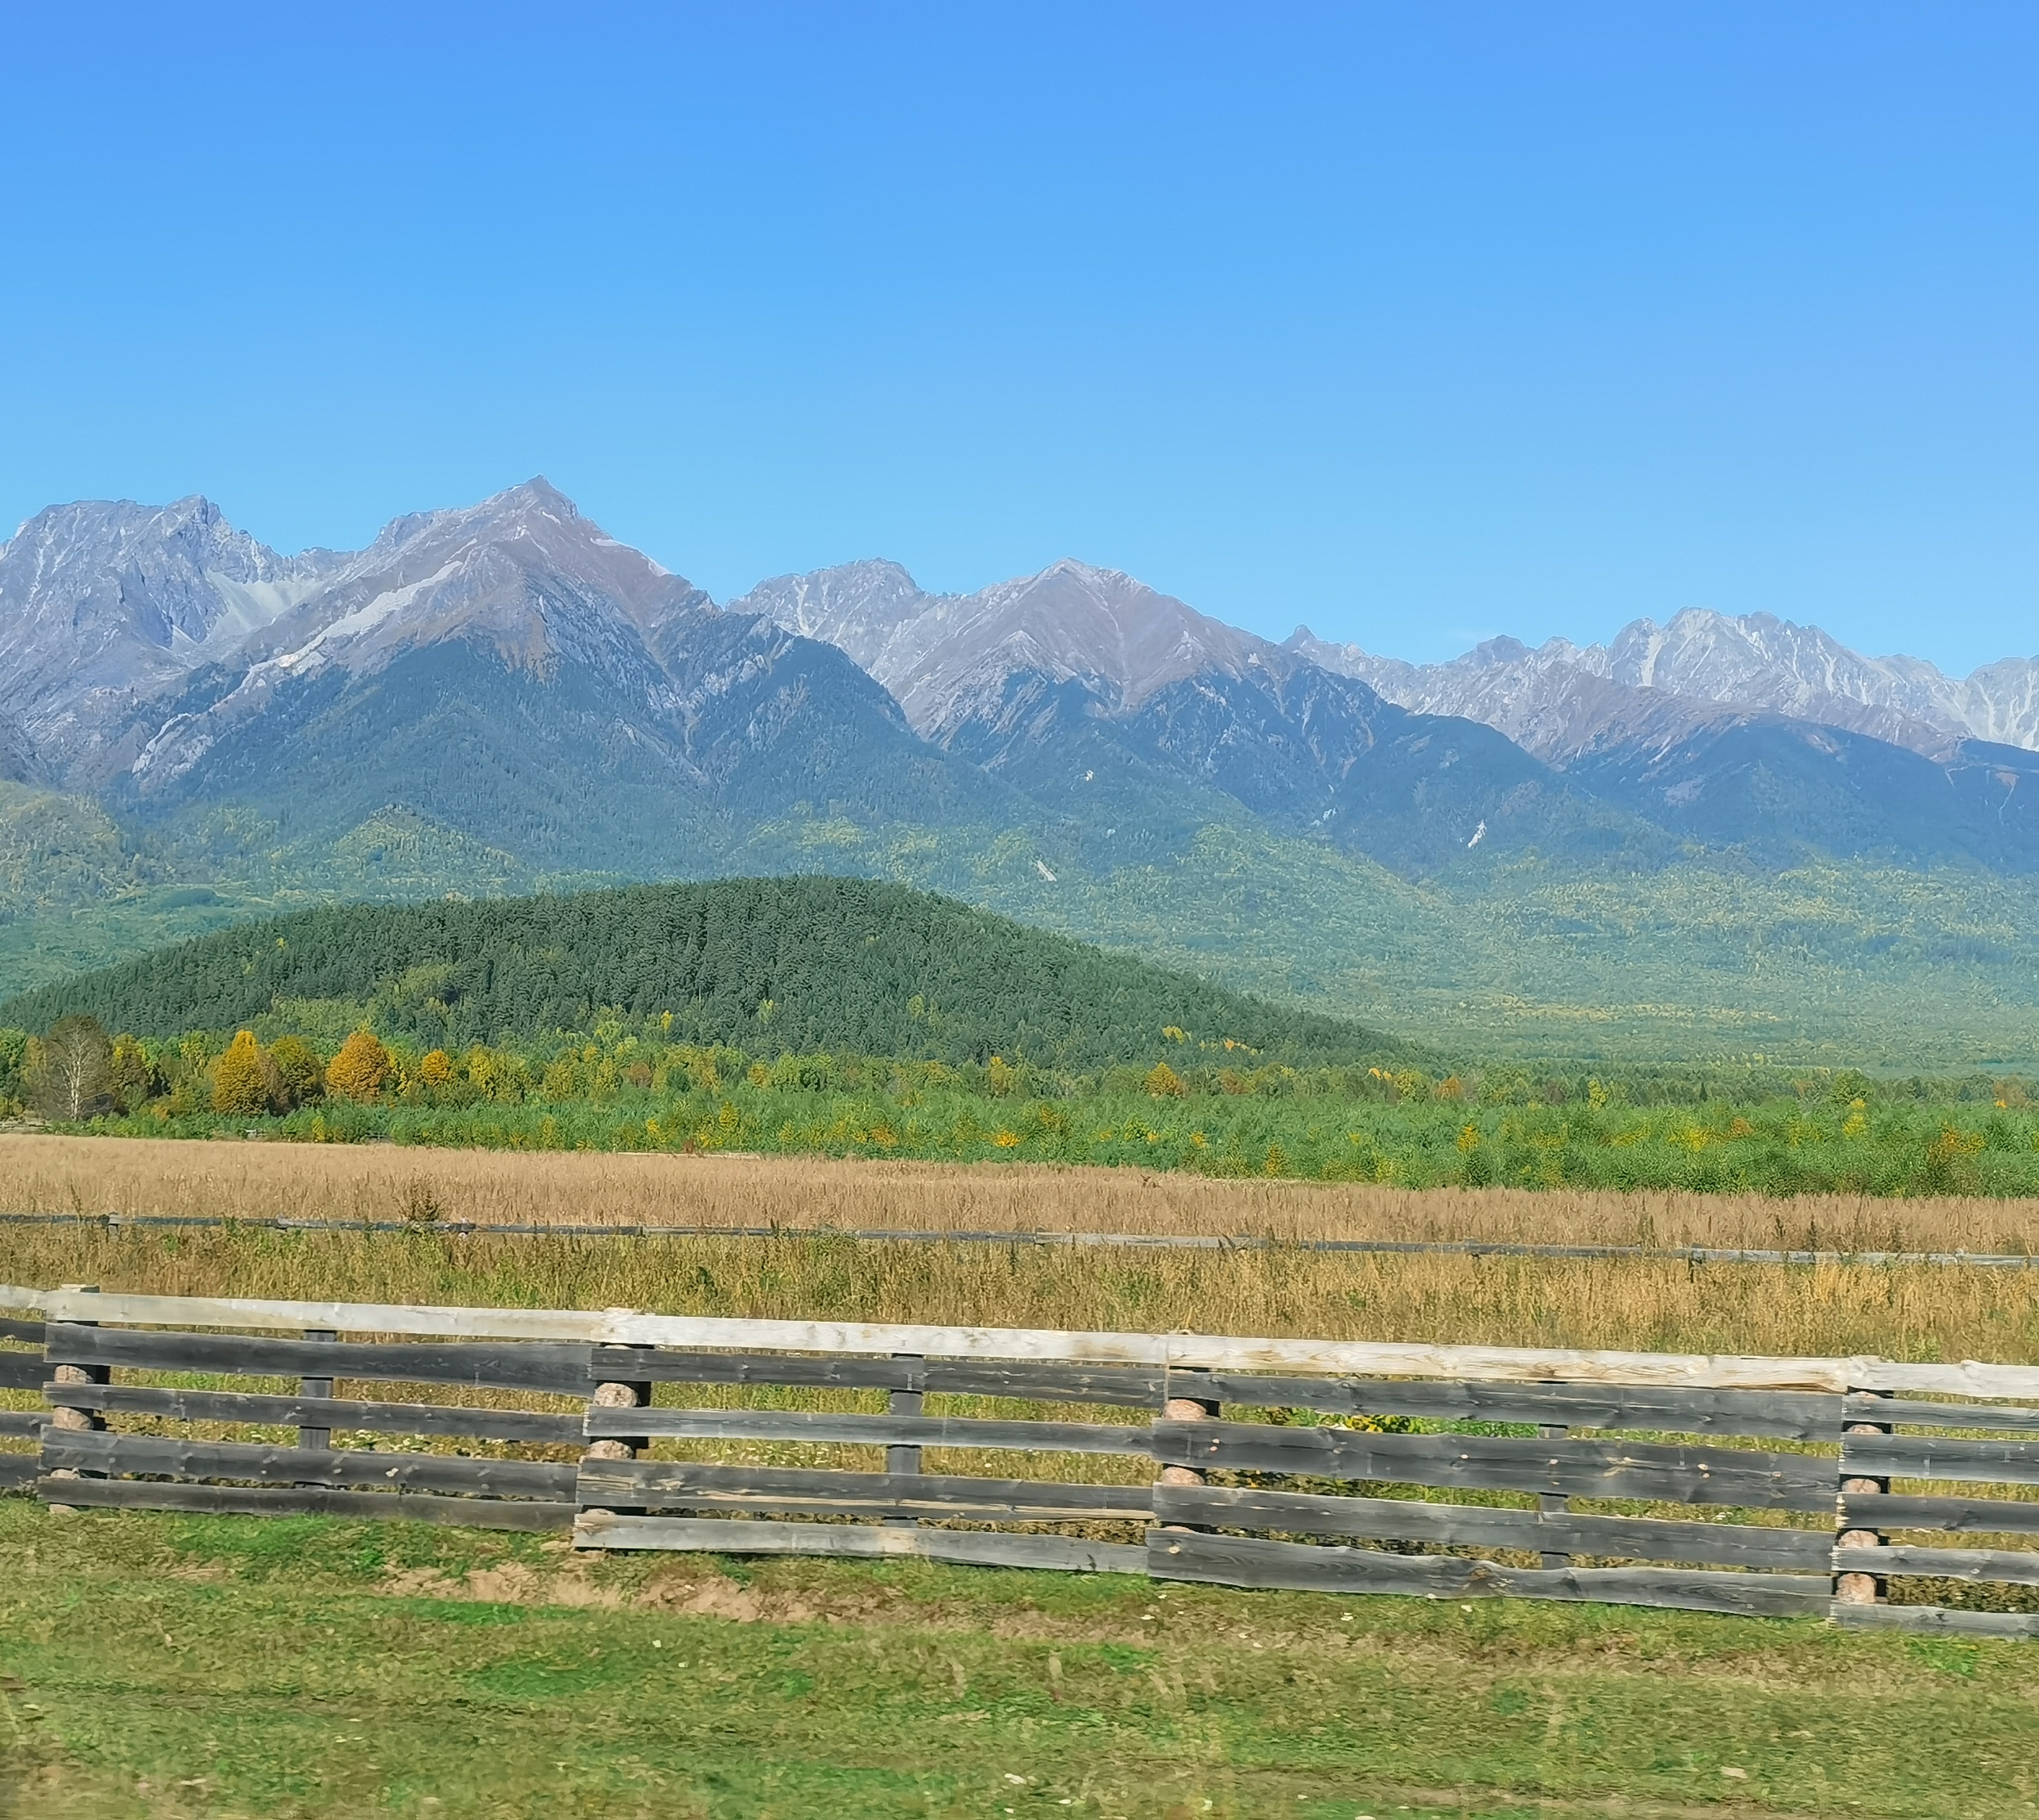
1560,847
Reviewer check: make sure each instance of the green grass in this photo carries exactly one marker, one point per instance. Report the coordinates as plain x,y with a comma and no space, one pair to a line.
1312,1127
176,1665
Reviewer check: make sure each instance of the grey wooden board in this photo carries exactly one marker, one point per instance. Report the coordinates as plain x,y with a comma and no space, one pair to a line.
1686,1475
2000,1417
868,1431
1940,1457
747,1536
23,1424
1932,1617
31,1331
1480,1526
528,1426
18,1470
318,1500
498,1365
1777,1415
1121,1387
112,1453
1249,1561
1958,1516
686,1484
22,1371
2013,1567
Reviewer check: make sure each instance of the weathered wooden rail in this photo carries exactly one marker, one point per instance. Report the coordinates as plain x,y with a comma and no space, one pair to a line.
1769,1487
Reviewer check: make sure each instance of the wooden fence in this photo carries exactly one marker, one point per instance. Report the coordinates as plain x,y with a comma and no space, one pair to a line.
1772,1487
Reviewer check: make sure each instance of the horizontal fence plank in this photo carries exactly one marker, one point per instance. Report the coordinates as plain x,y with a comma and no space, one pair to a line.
105,1452
402,1507
1970,1378
1119,1386
18,1472
1938,1457
1249,1561
533,1427
1478,1526
1911,1412
1215,1352
1957,1516
866,1430
22,1371
487,1366
1122,1386
688,1485
1932,1617
1686,1475
23,1424
734,1536
31,1332
1774,1414
2011,1567
626,1327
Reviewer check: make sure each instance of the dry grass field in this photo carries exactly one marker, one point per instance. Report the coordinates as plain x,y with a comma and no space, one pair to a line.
1919,1312
383,1182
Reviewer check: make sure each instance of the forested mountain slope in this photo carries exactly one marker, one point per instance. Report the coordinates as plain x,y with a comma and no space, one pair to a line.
767,965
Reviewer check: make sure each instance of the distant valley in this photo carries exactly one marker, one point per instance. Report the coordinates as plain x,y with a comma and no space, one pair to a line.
1718,838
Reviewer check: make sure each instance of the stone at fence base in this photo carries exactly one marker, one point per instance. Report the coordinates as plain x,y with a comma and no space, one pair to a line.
617,1395
71,1421
1863,1588
1185,1410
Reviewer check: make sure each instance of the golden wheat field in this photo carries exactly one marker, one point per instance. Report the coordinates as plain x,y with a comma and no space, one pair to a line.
1909,1311
386,1181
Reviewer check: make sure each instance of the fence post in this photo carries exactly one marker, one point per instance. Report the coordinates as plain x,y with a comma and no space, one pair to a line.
1179,1409
318,1438
1861,1588
908,1401
619,1393
63,1415
1553,1503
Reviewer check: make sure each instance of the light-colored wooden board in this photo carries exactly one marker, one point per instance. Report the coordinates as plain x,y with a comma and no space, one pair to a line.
2011,1567
1485,1527
740,1536
1932,1617
1248,1561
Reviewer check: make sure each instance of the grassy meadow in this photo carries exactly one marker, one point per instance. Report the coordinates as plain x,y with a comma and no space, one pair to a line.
173,1667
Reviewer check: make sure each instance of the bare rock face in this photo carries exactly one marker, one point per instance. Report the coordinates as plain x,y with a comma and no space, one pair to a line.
104,604
1542,696
944,655
521,576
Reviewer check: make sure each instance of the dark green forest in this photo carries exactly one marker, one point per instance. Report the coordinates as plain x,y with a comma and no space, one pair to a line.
769,965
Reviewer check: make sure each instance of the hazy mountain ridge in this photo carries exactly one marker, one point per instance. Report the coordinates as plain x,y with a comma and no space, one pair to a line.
1756,660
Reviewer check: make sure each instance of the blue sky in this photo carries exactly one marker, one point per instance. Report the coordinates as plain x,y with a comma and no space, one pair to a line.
1416,324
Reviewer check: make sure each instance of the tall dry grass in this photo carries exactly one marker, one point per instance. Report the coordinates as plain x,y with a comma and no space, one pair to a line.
1913,1312
382,1181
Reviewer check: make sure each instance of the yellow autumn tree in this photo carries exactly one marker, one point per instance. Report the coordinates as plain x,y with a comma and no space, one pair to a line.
435,1069
240,1078
1163,1082
360,1069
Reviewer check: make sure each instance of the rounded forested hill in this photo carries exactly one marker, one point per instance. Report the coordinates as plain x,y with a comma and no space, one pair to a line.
766,965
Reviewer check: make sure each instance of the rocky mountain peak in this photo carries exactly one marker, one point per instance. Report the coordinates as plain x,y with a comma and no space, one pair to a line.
1071,621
